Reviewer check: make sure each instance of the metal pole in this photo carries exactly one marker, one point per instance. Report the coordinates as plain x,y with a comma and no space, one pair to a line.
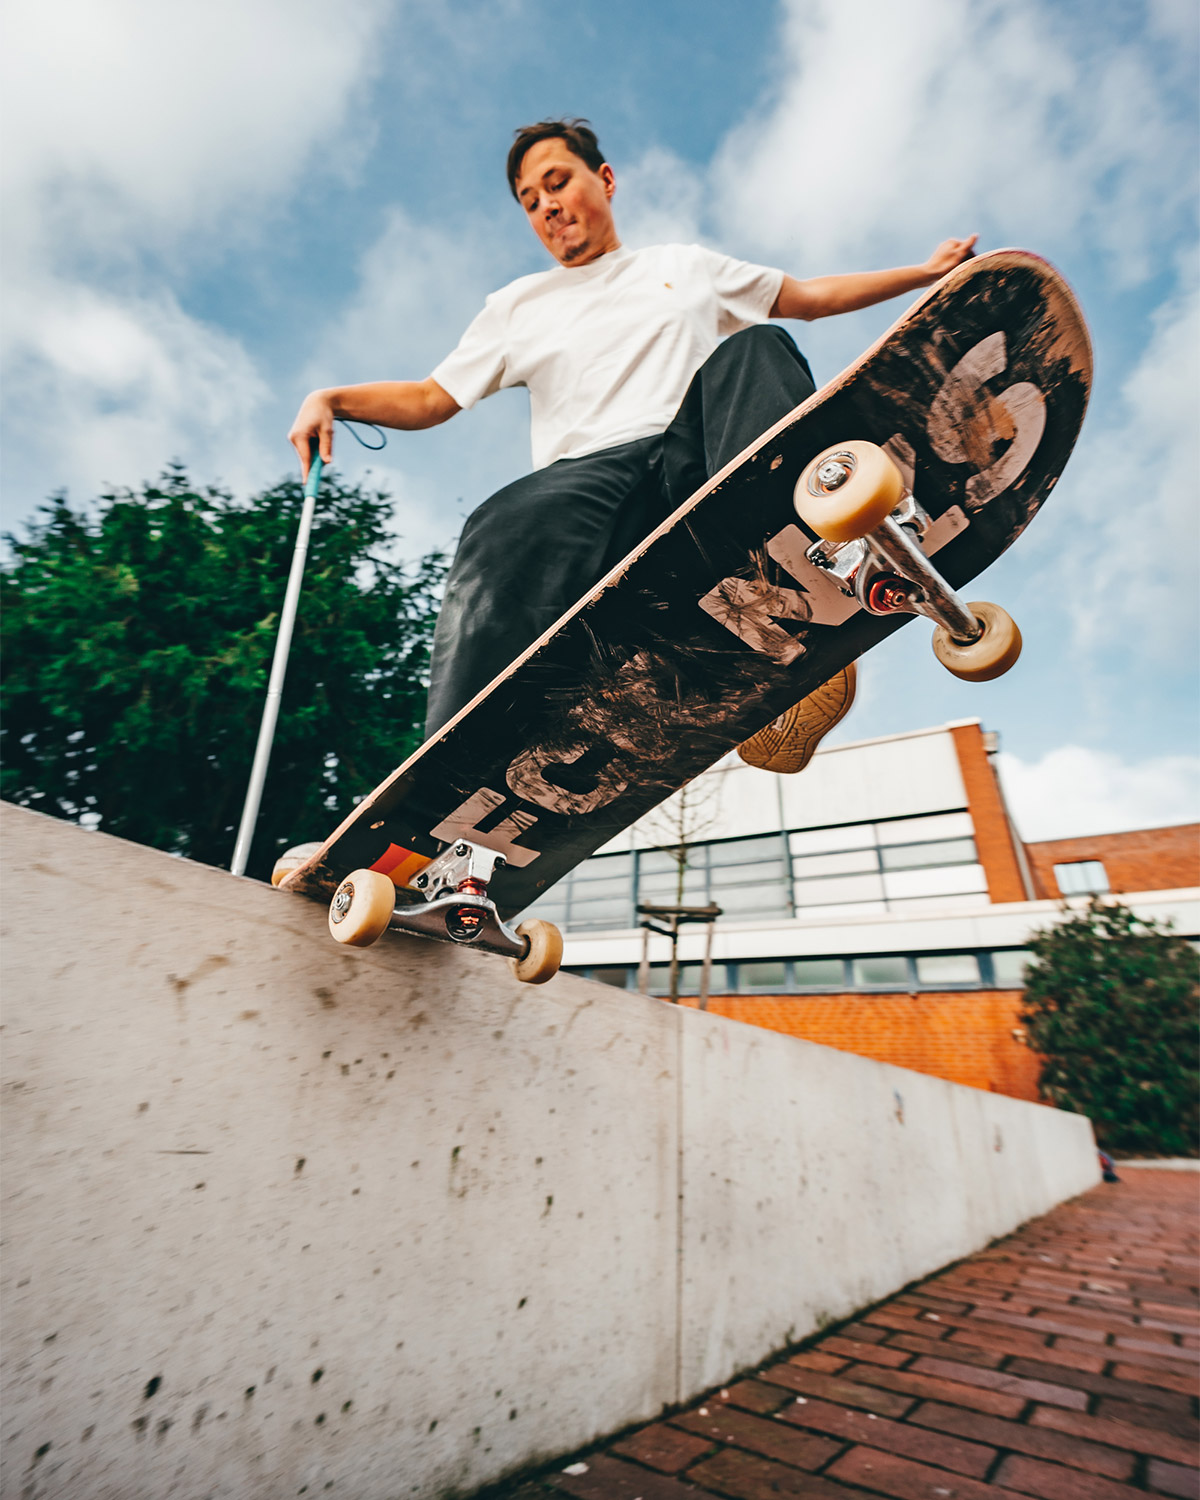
283,642
644,966
674,988
706,971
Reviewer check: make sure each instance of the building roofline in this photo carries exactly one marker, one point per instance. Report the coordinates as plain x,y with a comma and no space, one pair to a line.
1112,833
909,734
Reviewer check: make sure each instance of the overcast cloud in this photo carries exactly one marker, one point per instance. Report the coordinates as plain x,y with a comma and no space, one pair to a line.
142,138
1018,119
1074,791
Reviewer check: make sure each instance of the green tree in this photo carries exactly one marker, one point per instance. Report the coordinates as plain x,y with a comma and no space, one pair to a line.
137,643
1111,1006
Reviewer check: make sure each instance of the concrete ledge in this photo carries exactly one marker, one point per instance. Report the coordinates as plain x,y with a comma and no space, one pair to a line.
279,1214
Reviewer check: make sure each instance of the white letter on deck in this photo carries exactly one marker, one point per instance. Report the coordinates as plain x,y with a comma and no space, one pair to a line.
461,825
751,607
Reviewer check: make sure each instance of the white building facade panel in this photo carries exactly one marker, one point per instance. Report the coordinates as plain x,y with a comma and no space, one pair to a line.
941,880
874,779
839,889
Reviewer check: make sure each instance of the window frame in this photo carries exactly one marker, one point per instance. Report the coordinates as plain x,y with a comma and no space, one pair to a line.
726,975
1082,864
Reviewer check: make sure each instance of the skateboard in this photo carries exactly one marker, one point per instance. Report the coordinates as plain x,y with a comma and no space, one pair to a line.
875,500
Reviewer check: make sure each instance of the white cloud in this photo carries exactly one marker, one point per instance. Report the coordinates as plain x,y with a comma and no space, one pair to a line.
137,128
418,288
894,126
1074,791
160,116
1127,538
1177,22
659,201
106,389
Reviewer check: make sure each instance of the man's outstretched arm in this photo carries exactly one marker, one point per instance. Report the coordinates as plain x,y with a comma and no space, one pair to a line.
822,296
407,404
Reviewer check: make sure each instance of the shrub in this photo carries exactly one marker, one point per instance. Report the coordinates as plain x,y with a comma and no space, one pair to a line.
1111,1007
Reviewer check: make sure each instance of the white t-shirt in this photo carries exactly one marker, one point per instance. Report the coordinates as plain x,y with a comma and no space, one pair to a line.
607,350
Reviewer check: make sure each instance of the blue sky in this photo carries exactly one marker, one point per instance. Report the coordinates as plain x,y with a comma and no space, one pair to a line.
213,207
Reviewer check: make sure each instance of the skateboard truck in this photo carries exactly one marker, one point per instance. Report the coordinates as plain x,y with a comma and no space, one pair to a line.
875,538
889,571
456,909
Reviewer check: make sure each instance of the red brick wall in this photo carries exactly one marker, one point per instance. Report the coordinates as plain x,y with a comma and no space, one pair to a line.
993,837
1153,859
965,1036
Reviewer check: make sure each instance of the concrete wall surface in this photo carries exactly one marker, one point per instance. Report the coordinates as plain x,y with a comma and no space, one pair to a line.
282,1218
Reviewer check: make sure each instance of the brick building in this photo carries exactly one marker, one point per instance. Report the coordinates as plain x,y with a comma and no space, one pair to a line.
879,903
1152,859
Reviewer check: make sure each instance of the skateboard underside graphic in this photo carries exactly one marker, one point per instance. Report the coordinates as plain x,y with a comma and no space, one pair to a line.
878,498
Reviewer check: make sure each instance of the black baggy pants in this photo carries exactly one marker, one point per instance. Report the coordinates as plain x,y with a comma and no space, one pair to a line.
539,544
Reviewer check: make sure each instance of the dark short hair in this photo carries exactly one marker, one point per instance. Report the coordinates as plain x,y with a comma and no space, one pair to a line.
579,136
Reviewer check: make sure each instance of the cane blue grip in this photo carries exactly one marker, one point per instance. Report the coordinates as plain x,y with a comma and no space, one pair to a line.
313,483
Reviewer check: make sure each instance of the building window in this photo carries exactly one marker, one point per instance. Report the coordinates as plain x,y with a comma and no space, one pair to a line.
689,979
745,877
937,971
601,893
1008,968
1081,877
820,973
658,877
923,856
856,869
749,876
875,973
764,974
873,867
837,890
1003,969
595,896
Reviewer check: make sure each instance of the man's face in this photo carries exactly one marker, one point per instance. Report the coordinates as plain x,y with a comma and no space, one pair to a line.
569,205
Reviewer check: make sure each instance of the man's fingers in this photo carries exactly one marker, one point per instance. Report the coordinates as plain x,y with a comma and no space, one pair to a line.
301,447
312,431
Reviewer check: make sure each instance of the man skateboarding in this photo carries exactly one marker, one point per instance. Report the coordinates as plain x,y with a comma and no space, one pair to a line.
648,371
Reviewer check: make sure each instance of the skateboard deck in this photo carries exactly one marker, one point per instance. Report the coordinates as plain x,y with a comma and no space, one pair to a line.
719,621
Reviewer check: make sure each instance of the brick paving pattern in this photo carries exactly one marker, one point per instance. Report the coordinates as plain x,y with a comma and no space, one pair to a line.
1060,1363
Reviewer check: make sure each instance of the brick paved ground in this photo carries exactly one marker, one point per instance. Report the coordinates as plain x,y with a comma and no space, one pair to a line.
1060,1363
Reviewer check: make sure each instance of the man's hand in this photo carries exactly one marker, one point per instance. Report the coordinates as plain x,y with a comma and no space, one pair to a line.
313,420
949,253
407,404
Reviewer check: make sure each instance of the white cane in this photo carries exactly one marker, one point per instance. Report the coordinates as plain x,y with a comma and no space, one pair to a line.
283,642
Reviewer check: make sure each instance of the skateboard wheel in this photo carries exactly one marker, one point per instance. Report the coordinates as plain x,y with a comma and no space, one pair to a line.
291,859
361,908
848,490
990,654
544,954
